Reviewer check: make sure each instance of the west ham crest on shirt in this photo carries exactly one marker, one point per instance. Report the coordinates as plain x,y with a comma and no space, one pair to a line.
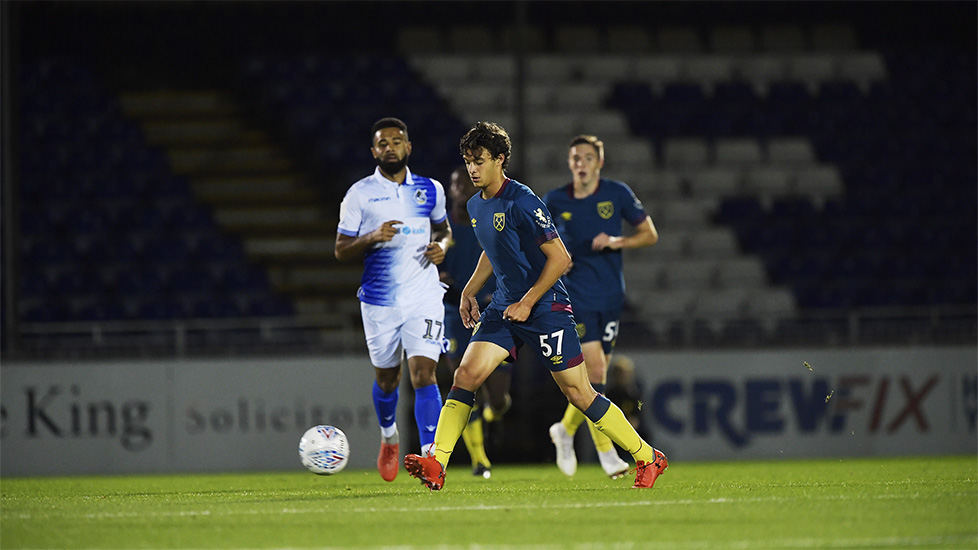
499,220
606,209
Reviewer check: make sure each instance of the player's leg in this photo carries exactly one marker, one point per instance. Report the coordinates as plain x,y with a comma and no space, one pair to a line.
427,398
422,336
589,332
496,393
472,435
606,416
571,376
612,465
490,345
491,403
380,328
609,419
562,433
478,362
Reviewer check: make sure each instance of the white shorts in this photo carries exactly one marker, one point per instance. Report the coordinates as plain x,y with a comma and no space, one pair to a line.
394,330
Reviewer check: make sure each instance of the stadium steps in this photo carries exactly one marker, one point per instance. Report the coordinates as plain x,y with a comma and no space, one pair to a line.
256,192
697,270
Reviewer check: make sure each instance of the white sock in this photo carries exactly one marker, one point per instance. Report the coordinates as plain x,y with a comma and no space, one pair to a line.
389,433
428,450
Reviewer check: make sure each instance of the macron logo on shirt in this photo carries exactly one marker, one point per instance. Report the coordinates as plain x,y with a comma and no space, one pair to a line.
379,199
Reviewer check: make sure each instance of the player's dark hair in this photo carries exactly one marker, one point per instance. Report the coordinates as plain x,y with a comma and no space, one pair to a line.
388,122
593,141
489,136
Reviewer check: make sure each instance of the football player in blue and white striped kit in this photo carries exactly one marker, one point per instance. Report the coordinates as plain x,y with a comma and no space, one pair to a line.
396,221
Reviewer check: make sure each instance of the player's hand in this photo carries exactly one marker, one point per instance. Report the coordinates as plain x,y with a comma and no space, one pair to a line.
386,232
468,308
569,267
435,253
603,241
517,312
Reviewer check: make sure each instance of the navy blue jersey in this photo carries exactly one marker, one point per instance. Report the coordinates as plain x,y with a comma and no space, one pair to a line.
511,226
460,262
596,281
461,259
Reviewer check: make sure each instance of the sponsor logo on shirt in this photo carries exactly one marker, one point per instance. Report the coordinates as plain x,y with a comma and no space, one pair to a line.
566,216
414,230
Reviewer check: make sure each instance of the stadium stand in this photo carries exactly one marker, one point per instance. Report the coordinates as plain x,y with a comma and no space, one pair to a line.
108,231
815,167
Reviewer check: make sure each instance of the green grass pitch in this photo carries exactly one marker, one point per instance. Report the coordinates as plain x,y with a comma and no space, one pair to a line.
929,502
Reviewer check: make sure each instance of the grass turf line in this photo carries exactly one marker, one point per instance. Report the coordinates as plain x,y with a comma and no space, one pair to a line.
926,502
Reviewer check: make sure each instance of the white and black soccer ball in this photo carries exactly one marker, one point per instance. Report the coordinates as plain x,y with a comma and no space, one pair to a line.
324,450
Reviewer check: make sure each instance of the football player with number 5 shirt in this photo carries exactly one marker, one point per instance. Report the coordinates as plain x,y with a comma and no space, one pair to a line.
589,213
530,307
396,221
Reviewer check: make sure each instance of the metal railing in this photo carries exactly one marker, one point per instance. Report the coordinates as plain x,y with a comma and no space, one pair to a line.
327,334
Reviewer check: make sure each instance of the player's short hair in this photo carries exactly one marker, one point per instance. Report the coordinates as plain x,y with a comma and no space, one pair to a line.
593,141
388,122
489,136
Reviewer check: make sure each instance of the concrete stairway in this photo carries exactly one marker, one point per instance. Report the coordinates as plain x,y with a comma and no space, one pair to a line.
257,193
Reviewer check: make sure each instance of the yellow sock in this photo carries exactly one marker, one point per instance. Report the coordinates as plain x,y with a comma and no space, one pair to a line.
612,422
572,419
602,443
454,416
474,439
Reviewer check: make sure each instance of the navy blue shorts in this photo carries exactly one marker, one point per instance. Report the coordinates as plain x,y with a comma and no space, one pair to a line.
599,325
456,333
549,330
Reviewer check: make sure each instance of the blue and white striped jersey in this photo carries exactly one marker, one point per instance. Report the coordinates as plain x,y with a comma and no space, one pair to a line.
395,273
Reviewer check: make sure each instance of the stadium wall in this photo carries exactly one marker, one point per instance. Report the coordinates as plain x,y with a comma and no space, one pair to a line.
248,414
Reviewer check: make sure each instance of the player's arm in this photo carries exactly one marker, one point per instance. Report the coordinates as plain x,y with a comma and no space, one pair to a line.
558,259
645,235
468,306
349,248
441,239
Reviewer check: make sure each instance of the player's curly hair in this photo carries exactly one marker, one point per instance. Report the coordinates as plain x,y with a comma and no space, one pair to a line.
489,136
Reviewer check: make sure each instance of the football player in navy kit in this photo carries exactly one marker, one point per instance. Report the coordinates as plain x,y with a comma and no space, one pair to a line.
589,213
530,307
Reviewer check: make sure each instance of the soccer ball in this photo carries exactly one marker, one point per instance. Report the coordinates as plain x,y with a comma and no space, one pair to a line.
324,450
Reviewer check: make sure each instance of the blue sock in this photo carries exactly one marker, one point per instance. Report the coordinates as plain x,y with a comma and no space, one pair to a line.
598,407
386,406
427,407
